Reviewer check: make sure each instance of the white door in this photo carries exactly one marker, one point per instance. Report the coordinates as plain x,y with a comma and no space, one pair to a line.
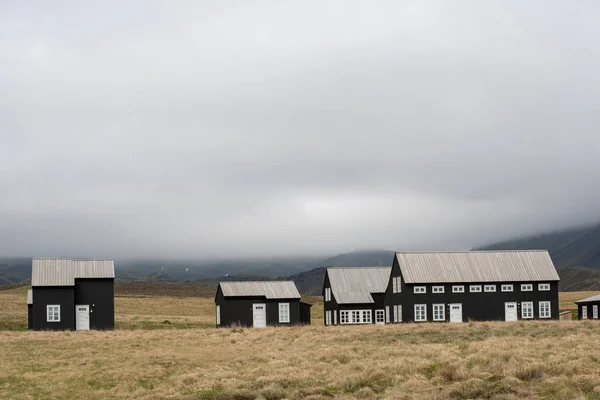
259,315
510,311
456,312
379,317
82,318
595,312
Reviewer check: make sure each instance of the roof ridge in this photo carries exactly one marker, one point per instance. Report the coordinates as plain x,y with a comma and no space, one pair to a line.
472,251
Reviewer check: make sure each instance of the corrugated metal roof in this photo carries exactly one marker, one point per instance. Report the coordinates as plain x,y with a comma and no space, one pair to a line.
589,299
355,285
269,289
477,266
64,271
30,296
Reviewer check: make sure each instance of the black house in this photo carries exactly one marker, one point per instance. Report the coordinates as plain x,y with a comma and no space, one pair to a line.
260,304
447,287
588,308
69,294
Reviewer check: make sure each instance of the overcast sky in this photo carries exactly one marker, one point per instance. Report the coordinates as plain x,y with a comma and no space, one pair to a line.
247,128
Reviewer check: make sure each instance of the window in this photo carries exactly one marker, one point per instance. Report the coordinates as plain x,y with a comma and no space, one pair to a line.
327,317
527,309
458,289
583,312
355,317
379,316
420,289
544,287
335,317
544,309
366,314
489,288
387,314
218,315
438,312
526,287
475,288
420,312
507,288
327,294
398,313
53,313
437,289
284,313
344,317
595,312
396,284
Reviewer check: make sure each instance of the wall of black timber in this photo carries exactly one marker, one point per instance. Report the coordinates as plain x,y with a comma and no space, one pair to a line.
305,313
29,316
237,311
53,295
99,294
590,314
475,306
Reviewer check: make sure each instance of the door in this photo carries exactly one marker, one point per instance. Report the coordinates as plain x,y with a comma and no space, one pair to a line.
259,315
595,312
379,317
82,318
510,311
456,312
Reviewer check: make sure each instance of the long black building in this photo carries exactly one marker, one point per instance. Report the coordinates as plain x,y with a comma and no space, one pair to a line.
588,308
70,294
260,304
445,287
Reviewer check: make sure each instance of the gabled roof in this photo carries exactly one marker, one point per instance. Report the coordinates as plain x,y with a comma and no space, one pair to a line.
64,271
477,266
355,285
591,299
268,289
30,296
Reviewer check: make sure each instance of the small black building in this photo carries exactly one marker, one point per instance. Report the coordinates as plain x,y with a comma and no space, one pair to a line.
588,308
70,294
445,287
260,304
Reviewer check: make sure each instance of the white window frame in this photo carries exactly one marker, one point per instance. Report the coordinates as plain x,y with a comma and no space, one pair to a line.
387,314
543,287
507,287
420,289
526,287
327,294
334,317
284,313
437,289
543,307
218,315
53,313
344,317
475,288
327,317
380,316
527,310
458,289
420,312
395,307
436,313
353,317
397,284
595,311
489,288
584,314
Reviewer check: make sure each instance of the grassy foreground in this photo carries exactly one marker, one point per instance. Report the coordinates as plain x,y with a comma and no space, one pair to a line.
520,360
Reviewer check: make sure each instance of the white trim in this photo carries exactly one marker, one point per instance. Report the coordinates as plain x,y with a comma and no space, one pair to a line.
489,288
395,308
348,317
507,288
284,313
475,288
218,315
545,309
394,285
334,317
437,289
53,313
584,312
379,317
595,311
458,289
526,309
436,316
420,289
327,294
526,287
543,287
327,317
387,314
420,312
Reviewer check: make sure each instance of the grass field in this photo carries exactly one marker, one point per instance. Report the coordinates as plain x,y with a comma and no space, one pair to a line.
521,360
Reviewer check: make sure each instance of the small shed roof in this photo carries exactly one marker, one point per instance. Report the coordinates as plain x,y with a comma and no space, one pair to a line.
477,266
30,296
355,285
64,271
268,289
591,299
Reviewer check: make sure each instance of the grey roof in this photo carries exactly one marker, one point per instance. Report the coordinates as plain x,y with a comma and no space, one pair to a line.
30,296
477,266
269,289
355,285
64,271
591,299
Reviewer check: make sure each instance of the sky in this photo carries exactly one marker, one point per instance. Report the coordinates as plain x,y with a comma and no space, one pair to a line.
221,128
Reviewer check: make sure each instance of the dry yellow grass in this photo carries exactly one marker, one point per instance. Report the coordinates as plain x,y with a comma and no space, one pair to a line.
522,360
567,299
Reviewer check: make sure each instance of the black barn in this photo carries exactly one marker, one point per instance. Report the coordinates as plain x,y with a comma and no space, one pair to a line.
260,304
70,294
447,287
588,308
